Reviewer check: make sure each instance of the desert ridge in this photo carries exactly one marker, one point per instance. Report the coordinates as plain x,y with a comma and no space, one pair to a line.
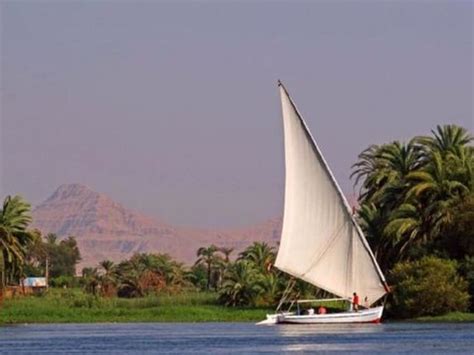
105,229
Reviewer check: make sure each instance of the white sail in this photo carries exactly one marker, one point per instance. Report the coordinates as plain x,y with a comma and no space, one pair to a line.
321,243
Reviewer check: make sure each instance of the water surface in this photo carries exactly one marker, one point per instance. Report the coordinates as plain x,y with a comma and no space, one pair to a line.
182,338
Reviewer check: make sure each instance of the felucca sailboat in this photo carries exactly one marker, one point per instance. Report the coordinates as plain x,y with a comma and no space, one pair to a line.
321,242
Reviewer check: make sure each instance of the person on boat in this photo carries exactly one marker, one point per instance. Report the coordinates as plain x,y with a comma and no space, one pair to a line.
322,310
355,302
310,311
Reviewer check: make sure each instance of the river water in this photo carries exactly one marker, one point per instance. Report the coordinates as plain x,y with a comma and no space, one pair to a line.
241,338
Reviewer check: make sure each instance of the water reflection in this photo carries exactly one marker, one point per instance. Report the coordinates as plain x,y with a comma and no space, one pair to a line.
385,337
312,329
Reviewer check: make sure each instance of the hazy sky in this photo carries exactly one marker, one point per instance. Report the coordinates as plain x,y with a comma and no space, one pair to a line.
172,108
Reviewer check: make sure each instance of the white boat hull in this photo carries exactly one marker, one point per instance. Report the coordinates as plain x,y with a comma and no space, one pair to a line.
273,318
371,315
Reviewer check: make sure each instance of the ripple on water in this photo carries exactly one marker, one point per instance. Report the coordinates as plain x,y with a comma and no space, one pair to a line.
241,338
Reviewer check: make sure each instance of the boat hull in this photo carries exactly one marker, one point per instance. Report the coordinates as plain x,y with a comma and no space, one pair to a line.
272,318
371,315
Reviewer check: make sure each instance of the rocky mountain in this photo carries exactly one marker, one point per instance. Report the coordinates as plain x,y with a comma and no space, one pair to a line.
107,230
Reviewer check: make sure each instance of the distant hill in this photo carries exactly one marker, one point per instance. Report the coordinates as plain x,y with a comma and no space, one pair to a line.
107,230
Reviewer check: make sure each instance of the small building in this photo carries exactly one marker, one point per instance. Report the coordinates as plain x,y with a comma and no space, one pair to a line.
34,282
28,286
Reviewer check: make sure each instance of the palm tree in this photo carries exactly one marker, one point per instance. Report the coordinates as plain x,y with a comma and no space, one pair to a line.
14,236
409,191
108,280
365,167
208,257
226,252
172,271
51,239
260,254
270,288
429,205
446,139
91,279
408,225
197,275
128,276
108,266
240,287
372,220
223,264
383,170
145,273
437,190
461,166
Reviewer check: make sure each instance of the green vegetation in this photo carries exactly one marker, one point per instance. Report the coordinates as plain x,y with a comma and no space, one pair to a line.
417,200
248,282
241,286
416,209
14,239
24,252
76,306
207,258
429,286
448,317
58,257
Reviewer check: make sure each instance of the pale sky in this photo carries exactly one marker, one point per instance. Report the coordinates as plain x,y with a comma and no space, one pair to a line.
172,108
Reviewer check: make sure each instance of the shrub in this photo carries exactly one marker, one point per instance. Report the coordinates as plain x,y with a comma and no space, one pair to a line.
429,286
64,281
467,271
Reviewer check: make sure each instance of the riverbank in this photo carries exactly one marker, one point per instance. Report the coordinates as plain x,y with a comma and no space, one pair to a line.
74,306
448,318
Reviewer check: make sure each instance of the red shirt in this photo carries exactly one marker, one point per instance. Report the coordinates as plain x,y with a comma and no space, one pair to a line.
356,300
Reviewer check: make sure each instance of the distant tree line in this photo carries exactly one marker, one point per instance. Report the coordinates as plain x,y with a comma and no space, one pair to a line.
249,280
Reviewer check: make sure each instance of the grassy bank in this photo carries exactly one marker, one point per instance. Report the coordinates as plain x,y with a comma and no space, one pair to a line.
450,317
73,306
